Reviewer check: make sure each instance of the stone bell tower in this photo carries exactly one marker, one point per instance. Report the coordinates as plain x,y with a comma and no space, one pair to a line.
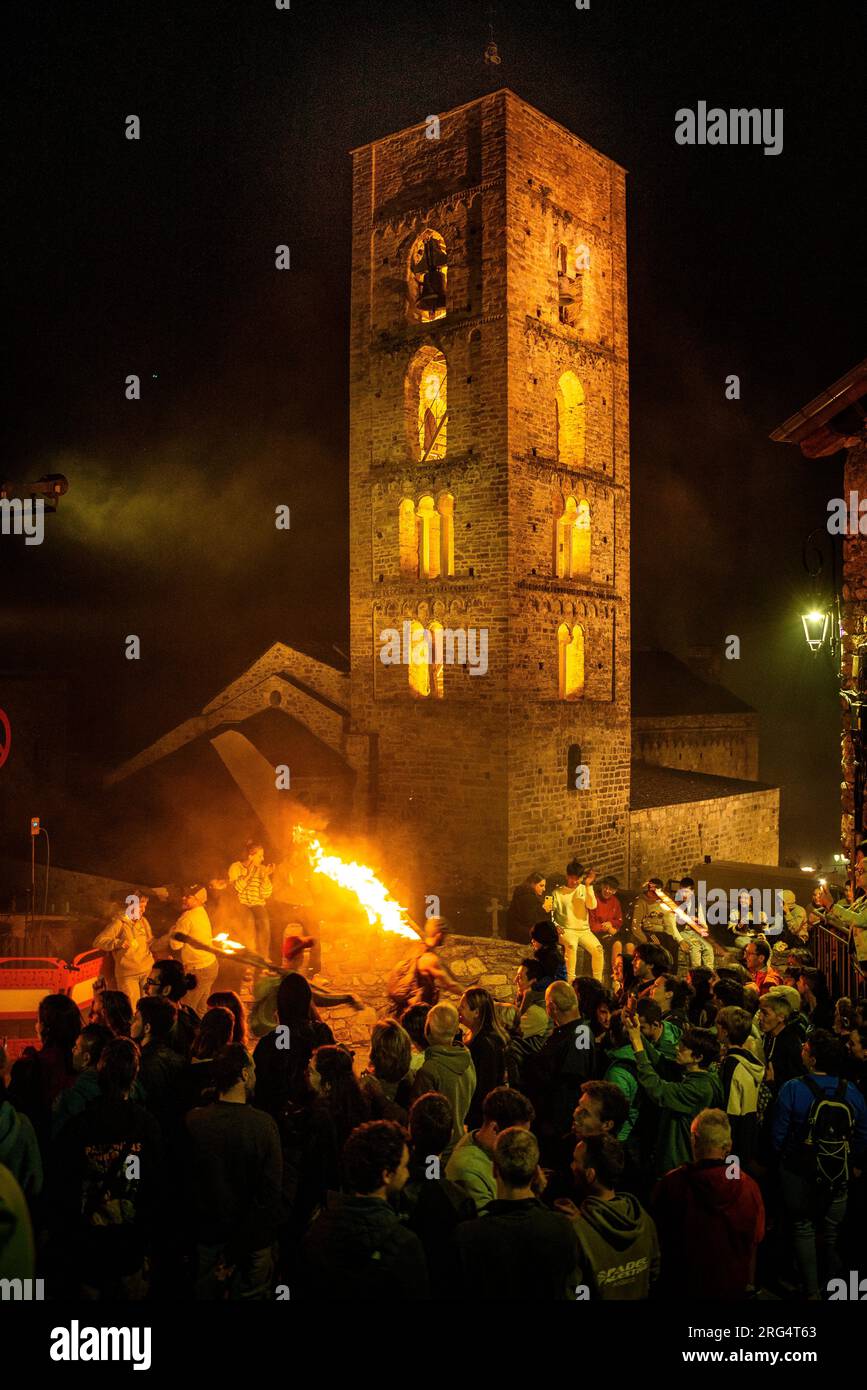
489,501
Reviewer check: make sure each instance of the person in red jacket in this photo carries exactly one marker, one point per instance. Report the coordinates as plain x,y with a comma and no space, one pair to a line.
709,1216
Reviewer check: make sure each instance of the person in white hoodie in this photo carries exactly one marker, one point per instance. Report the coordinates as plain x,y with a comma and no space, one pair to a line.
573,903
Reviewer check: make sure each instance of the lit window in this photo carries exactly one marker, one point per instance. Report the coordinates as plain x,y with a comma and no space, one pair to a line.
571,662
432,409
570,419
428,539
572,538
419,661
426,661
407,538
446,509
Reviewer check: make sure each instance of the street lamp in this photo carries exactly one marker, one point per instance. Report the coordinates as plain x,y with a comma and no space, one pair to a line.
816,626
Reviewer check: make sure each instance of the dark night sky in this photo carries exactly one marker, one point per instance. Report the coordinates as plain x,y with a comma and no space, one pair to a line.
157,257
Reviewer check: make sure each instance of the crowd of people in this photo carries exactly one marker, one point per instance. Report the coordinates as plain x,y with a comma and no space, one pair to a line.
678,1121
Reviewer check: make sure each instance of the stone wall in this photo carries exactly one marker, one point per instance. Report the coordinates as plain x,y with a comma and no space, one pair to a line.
725,745
668,840
489,963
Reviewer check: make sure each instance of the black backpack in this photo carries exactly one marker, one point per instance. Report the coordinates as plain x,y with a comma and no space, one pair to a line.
822,1157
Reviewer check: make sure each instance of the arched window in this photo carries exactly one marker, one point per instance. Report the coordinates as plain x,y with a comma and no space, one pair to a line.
426,660
426,411
419,660
407,538
570,419
581,536
572,537
428,539
571,661
446,509
428,278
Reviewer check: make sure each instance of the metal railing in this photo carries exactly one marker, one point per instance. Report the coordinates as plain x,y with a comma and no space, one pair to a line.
834,956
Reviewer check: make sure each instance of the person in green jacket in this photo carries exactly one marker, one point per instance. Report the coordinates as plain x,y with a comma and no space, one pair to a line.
471,1165
679,1101
664,1033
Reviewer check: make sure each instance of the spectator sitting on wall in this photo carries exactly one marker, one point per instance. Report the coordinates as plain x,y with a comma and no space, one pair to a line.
526,908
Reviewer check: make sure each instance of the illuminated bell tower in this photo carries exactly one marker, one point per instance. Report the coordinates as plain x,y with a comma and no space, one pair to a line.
489,501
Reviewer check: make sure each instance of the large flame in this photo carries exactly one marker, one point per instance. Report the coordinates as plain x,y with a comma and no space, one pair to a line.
226,944
360,879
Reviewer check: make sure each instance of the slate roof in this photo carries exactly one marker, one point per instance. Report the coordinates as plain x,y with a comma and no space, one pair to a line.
670,786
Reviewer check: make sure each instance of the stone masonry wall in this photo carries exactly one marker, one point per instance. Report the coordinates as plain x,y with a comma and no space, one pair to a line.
668,840
725,745
490,963
560,192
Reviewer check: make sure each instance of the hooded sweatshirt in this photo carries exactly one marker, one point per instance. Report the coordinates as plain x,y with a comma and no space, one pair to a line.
358,1250
679,1102
17,1255
709,1228
19,1150
741,1075
622,1072
619,1249
450,1071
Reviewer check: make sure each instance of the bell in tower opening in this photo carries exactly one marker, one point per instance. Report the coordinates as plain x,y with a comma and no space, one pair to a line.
429,272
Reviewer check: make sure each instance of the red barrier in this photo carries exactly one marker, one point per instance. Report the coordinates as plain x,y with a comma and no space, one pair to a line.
25,980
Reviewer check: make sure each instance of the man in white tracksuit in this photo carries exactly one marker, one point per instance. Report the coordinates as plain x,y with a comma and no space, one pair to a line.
572,905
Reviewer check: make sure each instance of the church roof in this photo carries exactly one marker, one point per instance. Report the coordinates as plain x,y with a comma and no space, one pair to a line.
670,786
664,686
